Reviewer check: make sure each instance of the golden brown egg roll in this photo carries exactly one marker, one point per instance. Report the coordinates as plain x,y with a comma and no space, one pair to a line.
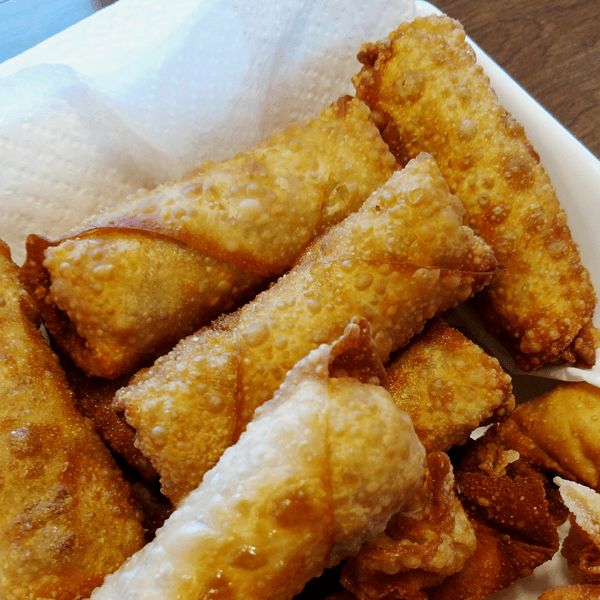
67,516
319,470
131,283
403,257
430,95
448,386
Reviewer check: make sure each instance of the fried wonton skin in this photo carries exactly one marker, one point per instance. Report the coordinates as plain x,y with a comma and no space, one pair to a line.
431,96
449,386
579,591
582,553
399,260
131,283
581,547
67,516
515,515
418,549
320,469
563,426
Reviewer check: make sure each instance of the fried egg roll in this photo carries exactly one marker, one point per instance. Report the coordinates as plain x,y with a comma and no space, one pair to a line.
448,386
131,283
430,95
62,496
403,257
320,469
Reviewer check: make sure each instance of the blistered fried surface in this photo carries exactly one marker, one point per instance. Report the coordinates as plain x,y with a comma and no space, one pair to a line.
515,515
130,296
403,257
573,592
418,550
320,469
425,81
581,548
67,518
449,386
134,282
564,425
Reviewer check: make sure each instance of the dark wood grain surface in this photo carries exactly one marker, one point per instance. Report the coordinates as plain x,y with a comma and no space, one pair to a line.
551,48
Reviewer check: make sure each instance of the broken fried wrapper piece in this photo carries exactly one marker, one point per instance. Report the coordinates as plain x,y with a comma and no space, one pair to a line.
419,548
581,548
318,471
431,96
515,515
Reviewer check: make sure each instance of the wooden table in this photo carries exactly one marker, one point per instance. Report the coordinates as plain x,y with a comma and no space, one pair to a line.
551,48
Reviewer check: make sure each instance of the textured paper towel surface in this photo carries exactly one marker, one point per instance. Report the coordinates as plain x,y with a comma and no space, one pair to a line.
142,92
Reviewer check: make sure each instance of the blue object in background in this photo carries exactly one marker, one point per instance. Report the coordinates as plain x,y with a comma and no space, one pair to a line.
25,23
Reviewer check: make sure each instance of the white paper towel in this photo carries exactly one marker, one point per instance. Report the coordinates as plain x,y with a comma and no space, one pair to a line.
144,91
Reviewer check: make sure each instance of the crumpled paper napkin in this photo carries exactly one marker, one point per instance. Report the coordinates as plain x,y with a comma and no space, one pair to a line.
142,92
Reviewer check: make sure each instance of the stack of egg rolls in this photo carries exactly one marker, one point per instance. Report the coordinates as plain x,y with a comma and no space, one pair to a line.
131,283
399,260
63,498
320,469
430,96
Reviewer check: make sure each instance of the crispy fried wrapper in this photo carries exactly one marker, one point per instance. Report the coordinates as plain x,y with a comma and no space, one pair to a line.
403,257
430,95
581,547
129,284
62,496
515,514
576,591
319,470
418,549
559,431
449,386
